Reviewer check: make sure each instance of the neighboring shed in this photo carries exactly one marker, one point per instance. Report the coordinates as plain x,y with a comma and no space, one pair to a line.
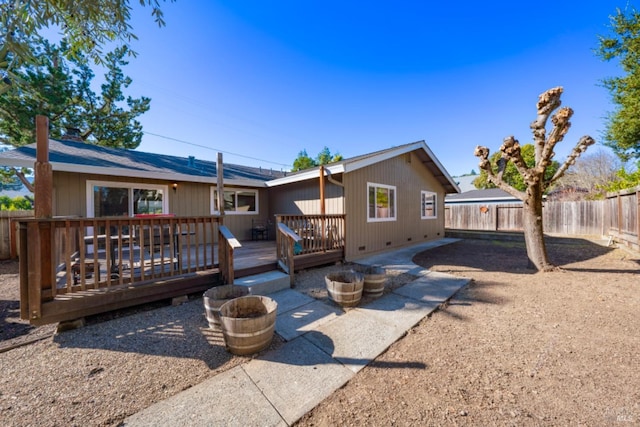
488,196
390,198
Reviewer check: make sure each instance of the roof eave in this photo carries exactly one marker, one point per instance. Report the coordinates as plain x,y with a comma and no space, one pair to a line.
306,175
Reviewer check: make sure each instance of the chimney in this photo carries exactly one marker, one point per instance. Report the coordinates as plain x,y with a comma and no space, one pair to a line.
72,134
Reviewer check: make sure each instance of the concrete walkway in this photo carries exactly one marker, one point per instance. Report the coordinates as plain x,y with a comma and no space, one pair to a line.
325,348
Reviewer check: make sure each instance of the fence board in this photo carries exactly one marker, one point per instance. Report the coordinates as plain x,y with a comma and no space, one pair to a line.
9,246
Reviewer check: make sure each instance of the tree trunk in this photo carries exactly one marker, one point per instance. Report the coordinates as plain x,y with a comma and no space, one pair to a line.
533,230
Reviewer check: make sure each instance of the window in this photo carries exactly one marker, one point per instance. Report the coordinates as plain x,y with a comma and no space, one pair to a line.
381,202
236,201
125,199
428,204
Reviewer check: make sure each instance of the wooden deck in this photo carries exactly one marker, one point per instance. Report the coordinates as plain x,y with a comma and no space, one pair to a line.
69,270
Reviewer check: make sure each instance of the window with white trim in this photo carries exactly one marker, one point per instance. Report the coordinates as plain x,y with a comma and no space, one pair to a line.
381,201
106,198
236,202
428,205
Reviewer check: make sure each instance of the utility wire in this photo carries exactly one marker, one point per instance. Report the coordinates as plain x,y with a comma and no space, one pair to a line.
214,149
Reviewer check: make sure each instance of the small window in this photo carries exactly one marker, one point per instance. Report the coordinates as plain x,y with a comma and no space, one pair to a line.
428,205
381,202
236,201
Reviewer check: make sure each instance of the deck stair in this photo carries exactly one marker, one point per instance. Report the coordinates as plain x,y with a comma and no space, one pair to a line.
264,283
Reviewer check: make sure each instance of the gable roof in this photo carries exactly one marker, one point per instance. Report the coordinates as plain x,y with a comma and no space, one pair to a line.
80,157
420,148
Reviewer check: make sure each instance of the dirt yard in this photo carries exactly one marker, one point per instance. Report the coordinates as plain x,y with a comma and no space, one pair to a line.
513,348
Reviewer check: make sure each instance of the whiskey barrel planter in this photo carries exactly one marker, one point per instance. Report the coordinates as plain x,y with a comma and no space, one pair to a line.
248,323
215,297
375,278
345,287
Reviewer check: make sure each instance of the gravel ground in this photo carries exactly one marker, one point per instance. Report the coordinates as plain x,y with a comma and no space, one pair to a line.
117,365
513,348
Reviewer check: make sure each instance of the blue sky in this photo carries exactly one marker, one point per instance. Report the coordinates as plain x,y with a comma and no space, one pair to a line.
261,81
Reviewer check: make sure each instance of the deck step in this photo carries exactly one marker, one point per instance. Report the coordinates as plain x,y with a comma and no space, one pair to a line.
264,283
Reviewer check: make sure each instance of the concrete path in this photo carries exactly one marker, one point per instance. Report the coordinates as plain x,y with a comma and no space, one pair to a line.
325,348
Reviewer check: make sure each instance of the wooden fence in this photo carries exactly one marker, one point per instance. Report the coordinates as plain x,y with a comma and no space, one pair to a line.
572,218
617,216
8,234
622,216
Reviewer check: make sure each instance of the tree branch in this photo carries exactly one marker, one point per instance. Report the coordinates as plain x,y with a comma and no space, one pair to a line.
24,179
485,164
547,103
581,146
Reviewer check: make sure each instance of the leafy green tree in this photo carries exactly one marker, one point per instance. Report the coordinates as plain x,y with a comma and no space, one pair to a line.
87,25
535,175
325,157
60,89
624,180
623,124
511,176
303,161
16,204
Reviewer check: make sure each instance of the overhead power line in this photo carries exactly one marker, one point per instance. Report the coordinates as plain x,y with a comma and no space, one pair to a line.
214,149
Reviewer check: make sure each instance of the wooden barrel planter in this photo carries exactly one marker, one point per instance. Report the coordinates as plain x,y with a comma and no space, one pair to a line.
248,323
215,297
375,278
345,287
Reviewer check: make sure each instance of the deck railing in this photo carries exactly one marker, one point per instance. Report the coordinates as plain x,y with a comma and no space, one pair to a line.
308,240
78,257
319,233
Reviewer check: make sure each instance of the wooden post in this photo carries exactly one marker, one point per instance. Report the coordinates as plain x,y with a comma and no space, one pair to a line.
638,216
322,208
220,178
41,269
43,172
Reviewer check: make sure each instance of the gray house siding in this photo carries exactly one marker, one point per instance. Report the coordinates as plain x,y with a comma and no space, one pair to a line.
409,177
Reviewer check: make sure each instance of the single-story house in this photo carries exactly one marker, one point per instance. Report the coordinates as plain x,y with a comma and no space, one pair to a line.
137,227
390,198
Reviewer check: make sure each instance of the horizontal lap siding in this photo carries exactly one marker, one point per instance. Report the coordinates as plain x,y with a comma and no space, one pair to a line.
303,198
410,177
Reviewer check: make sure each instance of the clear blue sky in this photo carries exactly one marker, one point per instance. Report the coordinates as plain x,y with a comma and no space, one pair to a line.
261,81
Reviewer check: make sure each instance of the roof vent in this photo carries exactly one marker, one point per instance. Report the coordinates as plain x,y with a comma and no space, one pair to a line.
192,162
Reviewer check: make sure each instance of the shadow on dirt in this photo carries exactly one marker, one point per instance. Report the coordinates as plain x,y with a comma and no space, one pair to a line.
470,255
10,325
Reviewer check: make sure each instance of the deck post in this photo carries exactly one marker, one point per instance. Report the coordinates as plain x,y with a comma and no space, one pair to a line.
40,237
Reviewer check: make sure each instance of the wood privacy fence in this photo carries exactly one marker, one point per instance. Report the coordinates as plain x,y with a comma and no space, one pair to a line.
8,234
617,216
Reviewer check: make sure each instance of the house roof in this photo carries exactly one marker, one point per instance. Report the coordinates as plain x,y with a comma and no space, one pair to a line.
79,157
482,196
420,148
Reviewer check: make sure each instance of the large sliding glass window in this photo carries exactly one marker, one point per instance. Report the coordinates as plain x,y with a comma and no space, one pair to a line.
125,199
381,202
236,201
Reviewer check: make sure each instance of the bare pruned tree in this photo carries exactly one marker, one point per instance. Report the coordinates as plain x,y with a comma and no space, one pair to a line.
534,176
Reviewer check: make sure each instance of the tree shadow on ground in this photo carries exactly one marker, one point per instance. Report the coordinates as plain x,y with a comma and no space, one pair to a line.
468,255
10,325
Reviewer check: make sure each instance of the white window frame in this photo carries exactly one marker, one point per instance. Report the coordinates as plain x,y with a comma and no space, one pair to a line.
395,204
423,196
235,191
129,185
